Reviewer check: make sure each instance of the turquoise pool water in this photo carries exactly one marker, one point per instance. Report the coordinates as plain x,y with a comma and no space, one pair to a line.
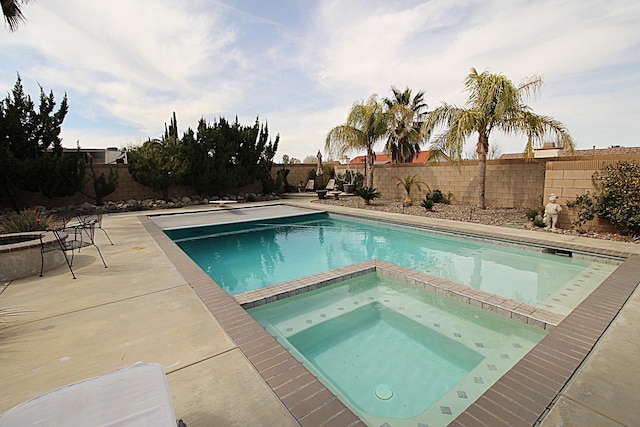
248,256
395,353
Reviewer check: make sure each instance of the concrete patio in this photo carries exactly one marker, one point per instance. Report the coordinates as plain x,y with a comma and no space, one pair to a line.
141,308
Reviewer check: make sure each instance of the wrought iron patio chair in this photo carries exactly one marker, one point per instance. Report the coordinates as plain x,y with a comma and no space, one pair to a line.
69,238
58,245
96,218
81,235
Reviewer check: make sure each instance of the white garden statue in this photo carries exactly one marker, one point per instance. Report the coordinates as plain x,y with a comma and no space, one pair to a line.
551,212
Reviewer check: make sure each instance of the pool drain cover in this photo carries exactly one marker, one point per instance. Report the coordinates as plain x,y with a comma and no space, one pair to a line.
384,392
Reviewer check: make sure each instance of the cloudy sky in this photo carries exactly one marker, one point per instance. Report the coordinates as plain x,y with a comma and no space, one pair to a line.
300,64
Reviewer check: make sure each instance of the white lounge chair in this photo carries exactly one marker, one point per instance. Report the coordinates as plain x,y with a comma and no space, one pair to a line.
331,185
133,395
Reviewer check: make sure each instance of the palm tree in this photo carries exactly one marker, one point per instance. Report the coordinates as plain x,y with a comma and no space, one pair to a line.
12,12
494,102
408,183
366,124
406,116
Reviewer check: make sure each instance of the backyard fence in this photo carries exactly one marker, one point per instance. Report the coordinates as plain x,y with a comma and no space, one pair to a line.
510,183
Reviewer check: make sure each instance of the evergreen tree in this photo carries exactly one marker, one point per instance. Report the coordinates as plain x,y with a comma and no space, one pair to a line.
224,156
158,163
31,148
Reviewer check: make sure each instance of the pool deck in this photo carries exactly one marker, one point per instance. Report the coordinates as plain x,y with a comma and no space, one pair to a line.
153,305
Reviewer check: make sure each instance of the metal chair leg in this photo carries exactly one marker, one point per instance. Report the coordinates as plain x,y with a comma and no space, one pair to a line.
62,247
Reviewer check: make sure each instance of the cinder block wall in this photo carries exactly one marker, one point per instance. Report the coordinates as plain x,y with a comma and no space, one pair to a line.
298,172
571,178
509,183
127,189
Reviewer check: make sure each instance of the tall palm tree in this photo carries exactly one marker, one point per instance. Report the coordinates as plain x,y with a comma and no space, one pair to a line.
406,116
12,12
366,124
494,103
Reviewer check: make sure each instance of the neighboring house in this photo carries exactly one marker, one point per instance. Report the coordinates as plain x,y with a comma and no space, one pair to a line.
101,156
383,159
550,151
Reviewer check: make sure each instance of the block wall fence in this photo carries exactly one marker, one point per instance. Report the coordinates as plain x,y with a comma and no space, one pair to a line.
127,189
512,183
568,179
509,183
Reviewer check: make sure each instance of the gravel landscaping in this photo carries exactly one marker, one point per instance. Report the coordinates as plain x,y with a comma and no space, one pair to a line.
509,217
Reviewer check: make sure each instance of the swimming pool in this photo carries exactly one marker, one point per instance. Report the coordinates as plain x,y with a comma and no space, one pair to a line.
253,255
395,353
510,398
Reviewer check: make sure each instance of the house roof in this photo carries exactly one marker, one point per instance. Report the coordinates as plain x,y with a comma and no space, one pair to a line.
559,152
382,158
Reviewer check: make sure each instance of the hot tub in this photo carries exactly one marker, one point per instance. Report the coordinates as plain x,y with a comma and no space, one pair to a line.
21,254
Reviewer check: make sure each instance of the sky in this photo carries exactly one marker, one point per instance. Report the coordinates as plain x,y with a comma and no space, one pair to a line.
299,65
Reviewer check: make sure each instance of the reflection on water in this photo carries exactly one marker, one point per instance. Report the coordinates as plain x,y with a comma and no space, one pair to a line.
259,255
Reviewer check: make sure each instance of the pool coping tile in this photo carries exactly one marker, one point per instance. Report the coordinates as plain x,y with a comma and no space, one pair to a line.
525,313
537,378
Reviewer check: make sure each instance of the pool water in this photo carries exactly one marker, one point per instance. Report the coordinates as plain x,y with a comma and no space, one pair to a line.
395,353
248,256
412,349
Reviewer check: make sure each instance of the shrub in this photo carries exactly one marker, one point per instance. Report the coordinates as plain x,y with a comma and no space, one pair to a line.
367,194
311,174
436,196
618,195
538,221
28,220
408,183
532,214
586,209
358,180
136,206
427,204
617,198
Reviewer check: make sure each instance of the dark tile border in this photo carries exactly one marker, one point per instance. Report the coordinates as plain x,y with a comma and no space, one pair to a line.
521,397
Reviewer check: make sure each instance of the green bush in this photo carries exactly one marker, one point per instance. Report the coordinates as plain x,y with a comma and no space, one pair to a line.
532,214
586,209
367,194
427,204
436,196
538,222
617,198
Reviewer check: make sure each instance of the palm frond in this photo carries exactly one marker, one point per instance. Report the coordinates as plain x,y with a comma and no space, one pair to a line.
12,12
530,86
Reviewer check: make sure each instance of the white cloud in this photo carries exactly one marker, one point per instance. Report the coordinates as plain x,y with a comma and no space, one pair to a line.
300,65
